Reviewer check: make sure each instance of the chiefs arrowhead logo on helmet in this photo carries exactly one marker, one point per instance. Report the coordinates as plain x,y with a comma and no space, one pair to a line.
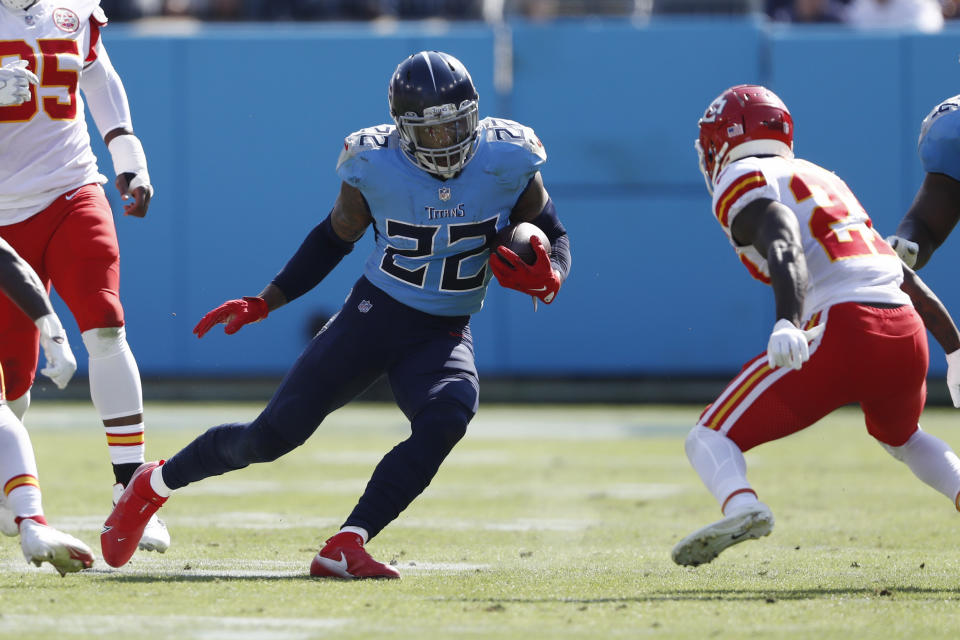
745,120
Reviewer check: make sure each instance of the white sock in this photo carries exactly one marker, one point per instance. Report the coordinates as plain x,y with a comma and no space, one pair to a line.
20,405
18,467
739,501
360,531
158,485
933,461
25,500
720,465
116,392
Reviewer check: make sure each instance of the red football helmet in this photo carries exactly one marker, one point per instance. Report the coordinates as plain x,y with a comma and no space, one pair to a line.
745,120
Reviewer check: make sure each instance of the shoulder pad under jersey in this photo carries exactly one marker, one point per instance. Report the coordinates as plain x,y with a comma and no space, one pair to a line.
369,139
359,144
939,142
740,183
500,130
85,10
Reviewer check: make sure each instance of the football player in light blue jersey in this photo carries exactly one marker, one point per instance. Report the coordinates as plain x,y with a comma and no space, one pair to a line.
936,207
436,186
433,215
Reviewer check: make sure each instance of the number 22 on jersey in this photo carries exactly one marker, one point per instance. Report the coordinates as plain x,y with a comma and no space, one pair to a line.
50,74
838,221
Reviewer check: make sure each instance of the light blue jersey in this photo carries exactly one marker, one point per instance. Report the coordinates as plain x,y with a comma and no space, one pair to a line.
432,235
939,145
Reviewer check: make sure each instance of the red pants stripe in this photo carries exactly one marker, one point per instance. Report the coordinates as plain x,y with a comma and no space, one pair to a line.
876,358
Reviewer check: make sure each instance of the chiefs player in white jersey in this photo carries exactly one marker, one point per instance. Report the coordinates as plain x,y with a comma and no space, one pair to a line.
54,213
850,322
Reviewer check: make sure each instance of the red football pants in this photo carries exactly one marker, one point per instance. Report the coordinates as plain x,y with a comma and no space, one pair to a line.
874,357
73,245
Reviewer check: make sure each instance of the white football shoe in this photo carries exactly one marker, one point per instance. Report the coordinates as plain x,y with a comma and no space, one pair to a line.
703,545
155,536
8,521
41,543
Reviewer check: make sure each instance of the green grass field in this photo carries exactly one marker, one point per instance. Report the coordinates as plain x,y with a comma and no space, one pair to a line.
545,522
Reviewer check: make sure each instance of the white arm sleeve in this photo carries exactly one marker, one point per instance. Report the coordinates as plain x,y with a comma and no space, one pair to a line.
105,95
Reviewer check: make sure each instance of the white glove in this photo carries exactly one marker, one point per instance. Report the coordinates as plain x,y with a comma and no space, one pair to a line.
60,361
953,377
789,346
906,249
15,81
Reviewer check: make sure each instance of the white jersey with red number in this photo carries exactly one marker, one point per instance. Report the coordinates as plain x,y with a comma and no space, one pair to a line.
44,143
847,260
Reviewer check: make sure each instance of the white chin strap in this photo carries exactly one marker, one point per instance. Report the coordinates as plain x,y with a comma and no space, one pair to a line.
18,5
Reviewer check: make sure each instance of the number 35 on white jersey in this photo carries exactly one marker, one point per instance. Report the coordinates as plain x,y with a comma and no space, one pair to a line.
46,146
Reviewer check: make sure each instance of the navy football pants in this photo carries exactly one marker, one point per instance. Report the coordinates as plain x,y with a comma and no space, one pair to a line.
430,364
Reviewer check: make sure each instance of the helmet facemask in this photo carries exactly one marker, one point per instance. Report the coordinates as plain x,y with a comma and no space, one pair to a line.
711,162
442,140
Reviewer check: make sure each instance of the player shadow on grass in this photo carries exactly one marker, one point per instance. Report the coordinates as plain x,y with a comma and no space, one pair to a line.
142,578
764,595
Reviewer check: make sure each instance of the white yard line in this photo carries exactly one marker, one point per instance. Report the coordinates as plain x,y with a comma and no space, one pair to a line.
201,627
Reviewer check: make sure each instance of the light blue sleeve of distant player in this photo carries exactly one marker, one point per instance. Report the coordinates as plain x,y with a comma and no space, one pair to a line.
939,145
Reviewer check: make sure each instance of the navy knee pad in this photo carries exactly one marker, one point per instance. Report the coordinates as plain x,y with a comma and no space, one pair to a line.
442,424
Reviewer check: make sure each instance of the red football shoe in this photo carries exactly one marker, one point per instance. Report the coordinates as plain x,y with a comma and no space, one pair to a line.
343,556
124,527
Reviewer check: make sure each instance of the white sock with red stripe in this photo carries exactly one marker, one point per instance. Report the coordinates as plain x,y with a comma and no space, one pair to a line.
933,461
18,467
116,392
721,466
25,502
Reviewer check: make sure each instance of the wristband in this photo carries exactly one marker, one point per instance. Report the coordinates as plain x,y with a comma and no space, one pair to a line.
129,157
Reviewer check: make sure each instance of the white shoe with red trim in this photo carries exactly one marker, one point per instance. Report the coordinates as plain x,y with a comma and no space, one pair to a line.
41,543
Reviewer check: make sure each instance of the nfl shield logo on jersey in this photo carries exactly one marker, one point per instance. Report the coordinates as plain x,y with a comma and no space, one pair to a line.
444,193
364,306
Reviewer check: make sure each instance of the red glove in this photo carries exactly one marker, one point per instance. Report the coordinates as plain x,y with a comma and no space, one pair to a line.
537,279
235,313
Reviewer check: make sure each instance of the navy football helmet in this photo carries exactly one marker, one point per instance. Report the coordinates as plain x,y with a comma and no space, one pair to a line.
434,104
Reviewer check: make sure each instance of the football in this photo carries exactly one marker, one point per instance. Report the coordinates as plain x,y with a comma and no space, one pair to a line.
516,237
